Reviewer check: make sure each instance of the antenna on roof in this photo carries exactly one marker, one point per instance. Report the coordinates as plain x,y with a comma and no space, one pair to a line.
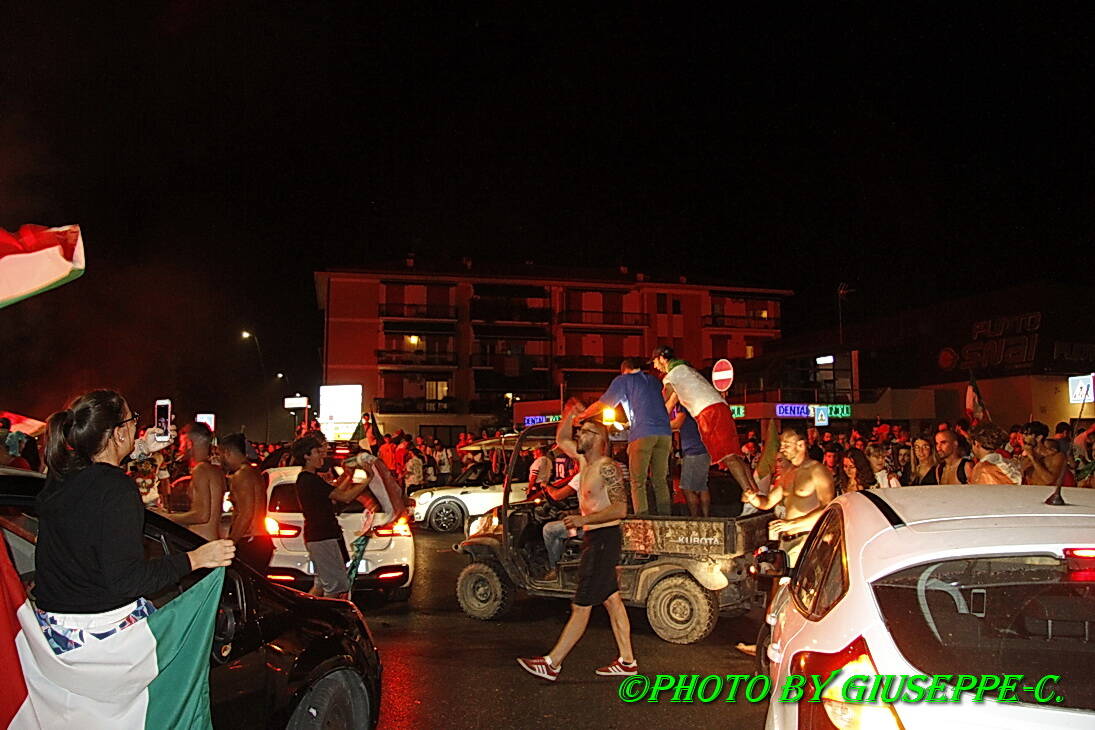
1055,499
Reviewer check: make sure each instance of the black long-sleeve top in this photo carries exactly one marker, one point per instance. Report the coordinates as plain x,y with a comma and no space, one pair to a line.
90,552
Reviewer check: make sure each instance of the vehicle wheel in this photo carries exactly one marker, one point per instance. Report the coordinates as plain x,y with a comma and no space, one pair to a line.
338,700
446,516
764,638
680,610
398,594
484,591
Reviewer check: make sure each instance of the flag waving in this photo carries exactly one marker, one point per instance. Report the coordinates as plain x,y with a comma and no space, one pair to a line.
35,259
153,672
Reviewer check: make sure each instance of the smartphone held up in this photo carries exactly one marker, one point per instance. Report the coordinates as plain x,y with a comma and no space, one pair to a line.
163,419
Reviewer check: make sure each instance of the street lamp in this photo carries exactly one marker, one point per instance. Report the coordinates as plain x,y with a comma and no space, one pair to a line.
247,335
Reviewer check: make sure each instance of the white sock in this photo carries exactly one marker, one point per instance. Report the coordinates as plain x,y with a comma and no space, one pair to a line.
551,662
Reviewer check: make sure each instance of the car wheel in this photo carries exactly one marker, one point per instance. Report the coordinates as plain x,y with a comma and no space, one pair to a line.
484,591
446,516
764,638
338,700
681,611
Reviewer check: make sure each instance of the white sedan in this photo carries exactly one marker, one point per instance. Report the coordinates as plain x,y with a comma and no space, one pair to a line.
445,509
971,582
387,563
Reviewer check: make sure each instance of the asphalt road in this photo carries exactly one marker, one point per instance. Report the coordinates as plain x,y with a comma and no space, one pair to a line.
443,669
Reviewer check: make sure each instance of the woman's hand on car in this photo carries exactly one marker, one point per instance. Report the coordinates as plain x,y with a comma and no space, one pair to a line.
214,554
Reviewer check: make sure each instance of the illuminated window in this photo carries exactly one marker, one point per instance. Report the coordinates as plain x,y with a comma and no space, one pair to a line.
437,389
749,351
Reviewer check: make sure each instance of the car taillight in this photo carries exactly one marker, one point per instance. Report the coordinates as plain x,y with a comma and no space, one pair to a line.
391,574
280,529
833,713
278,577
400,528
1081,564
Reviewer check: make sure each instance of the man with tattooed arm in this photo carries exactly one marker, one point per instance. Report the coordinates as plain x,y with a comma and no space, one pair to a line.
602,497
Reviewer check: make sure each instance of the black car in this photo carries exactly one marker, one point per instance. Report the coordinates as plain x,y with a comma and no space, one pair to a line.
280,658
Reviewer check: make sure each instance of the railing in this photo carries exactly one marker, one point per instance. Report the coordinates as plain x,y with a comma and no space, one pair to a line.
418,311
740,322
629,319
503,312
507,362
587,362
418,405
419,357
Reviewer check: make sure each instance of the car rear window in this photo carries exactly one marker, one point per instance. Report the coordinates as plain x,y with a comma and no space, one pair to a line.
283,498
1015,614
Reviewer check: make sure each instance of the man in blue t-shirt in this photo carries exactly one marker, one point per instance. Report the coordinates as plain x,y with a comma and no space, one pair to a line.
695,464
650,439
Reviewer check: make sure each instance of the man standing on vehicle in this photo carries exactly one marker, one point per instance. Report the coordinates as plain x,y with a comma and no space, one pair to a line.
322,533
207,485
683,384
650,438
254,546
603,502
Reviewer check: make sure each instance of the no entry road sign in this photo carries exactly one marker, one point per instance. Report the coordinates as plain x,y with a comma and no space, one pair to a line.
722,375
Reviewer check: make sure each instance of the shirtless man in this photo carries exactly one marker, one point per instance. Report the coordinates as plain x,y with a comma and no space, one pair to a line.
805,487
683,384
206,484
603,501
1041,462
254,546
805,490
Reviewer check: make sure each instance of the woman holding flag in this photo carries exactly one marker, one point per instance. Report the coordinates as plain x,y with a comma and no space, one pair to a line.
90,644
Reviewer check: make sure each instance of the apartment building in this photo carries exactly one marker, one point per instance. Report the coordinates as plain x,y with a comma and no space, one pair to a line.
445,351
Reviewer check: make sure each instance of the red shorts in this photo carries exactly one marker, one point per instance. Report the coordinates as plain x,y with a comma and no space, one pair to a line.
718,432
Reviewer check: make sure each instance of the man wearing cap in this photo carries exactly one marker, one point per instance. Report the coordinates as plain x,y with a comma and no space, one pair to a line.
683,384
649,439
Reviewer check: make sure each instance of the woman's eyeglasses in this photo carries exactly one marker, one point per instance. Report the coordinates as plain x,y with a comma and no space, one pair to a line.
135,418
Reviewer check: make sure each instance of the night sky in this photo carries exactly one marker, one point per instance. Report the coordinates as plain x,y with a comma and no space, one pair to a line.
216,154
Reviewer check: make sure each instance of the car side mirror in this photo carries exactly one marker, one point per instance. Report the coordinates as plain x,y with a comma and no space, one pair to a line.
230,614
770,563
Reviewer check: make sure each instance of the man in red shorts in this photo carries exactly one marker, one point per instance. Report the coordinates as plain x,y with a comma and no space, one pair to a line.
683,384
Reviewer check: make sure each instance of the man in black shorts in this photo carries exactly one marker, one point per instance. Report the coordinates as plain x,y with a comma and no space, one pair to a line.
603,501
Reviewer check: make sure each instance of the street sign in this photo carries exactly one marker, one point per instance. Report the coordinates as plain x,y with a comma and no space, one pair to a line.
722,375
294,403
821,415
1080,389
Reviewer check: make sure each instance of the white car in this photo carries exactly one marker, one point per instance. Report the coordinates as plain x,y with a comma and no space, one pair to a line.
446,509
388,561
975,582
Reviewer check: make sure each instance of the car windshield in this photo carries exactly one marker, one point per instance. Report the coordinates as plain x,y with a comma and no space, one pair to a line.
1014,614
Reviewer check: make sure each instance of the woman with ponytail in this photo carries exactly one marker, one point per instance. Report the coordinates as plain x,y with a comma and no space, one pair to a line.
91,573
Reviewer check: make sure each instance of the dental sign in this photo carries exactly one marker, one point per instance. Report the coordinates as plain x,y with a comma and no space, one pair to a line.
537,420
807,410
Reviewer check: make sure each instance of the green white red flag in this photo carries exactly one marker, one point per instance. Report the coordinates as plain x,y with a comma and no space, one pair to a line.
153,673
35,259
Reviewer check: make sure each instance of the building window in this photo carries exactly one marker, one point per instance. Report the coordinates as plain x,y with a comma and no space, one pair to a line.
663,304
676,305
437,389
749,352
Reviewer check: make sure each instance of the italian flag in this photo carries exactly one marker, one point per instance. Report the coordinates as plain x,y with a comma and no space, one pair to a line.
153,673
35,259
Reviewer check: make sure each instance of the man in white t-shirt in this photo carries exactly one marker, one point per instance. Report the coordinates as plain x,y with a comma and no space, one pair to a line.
685,385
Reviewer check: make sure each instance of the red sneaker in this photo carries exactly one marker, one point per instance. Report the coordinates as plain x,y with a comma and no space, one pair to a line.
539,666
619,669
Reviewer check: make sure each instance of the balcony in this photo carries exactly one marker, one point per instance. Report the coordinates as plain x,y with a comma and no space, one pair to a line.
494,311
587,362
418,405
505,363
417,311
735,321
619,319
418,357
